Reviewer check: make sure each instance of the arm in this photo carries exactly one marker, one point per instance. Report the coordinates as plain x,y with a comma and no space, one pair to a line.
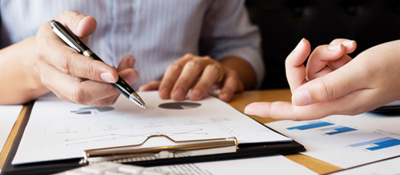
20,82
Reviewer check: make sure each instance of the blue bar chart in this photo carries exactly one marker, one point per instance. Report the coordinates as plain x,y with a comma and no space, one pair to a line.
338,130
381,143
311,125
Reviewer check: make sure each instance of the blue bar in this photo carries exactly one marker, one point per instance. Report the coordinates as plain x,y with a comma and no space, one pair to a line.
341,130
311,125
385,144
371,142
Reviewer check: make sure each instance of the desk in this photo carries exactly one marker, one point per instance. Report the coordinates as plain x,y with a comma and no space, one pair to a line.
239,102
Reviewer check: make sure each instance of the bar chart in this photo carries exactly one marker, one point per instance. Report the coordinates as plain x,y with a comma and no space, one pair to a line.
311,125
378,144
338,130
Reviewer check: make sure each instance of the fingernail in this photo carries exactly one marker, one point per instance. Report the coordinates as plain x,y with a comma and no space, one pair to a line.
348,42
178,93
299,45
107,77
301,98
254,108
334,47
196,93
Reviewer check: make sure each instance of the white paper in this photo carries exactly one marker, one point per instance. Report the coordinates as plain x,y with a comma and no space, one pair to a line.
255,166
8,116
60,130
386,167
346,141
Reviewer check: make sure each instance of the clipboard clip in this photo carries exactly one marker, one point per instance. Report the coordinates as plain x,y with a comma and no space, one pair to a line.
135,153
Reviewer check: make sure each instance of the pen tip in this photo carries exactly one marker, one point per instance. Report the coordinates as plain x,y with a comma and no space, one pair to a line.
144,107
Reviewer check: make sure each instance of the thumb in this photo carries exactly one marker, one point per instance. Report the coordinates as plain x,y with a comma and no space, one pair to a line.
328,87
81,25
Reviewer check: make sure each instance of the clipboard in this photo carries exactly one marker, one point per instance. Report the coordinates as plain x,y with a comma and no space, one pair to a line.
221,149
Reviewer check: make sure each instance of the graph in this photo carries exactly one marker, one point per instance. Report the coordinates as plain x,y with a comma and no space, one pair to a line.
337,130
378,144
311,125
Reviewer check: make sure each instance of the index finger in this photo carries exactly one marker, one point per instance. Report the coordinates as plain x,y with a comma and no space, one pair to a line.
295,70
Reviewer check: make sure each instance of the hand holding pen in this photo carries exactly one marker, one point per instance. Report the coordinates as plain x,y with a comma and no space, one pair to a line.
73,76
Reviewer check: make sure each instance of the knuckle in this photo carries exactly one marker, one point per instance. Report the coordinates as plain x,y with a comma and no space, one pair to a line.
328,90
207,58
188,55
79,96
175,67
88,71
193,64
65,64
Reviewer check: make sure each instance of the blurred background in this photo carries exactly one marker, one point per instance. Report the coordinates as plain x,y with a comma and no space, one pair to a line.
283,23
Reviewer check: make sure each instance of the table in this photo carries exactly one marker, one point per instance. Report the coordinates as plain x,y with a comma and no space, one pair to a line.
239,102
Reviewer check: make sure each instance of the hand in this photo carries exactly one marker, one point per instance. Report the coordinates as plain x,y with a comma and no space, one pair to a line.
201,73
364,83
75,77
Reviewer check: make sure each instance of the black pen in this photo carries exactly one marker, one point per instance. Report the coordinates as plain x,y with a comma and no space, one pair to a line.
75,43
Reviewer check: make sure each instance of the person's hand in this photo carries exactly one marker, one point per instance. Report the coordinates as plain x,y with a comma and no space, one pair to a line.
75,77
201,73
368,81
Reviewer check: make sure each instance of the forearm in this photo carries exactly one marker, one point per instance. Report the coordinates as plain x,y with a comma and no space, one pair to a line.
20,82
244,70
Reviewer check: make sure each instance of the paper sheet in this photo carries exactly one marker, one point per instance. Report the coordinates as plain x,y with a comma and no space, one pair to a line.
386,167
255,166
60,130
8,116
346,141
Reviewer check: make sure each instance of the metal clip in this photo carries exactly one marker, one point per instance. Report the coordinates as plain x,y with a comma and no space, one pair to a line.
134,153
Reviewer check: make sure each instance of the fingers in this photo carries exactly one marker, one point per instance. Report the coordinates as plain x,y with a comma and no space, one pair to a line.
327,58
55,53
351,104
152,86
207,80
331,86
181,75
295,70
126,63
317,63
80,24
80,91
171,75
232,84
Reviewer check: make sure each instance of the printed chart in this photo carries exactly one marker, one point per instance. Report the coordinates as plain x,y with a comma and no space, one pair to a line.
56,125
346,141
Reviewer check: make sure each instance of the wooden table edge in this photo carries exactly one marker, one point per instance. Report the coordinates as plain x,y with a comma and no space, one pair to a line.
11,137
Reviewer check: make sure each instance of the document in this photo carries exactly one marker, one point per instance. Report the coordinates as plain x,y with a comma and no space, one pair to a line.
385,167
8,116
346,141
255,166
60,130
